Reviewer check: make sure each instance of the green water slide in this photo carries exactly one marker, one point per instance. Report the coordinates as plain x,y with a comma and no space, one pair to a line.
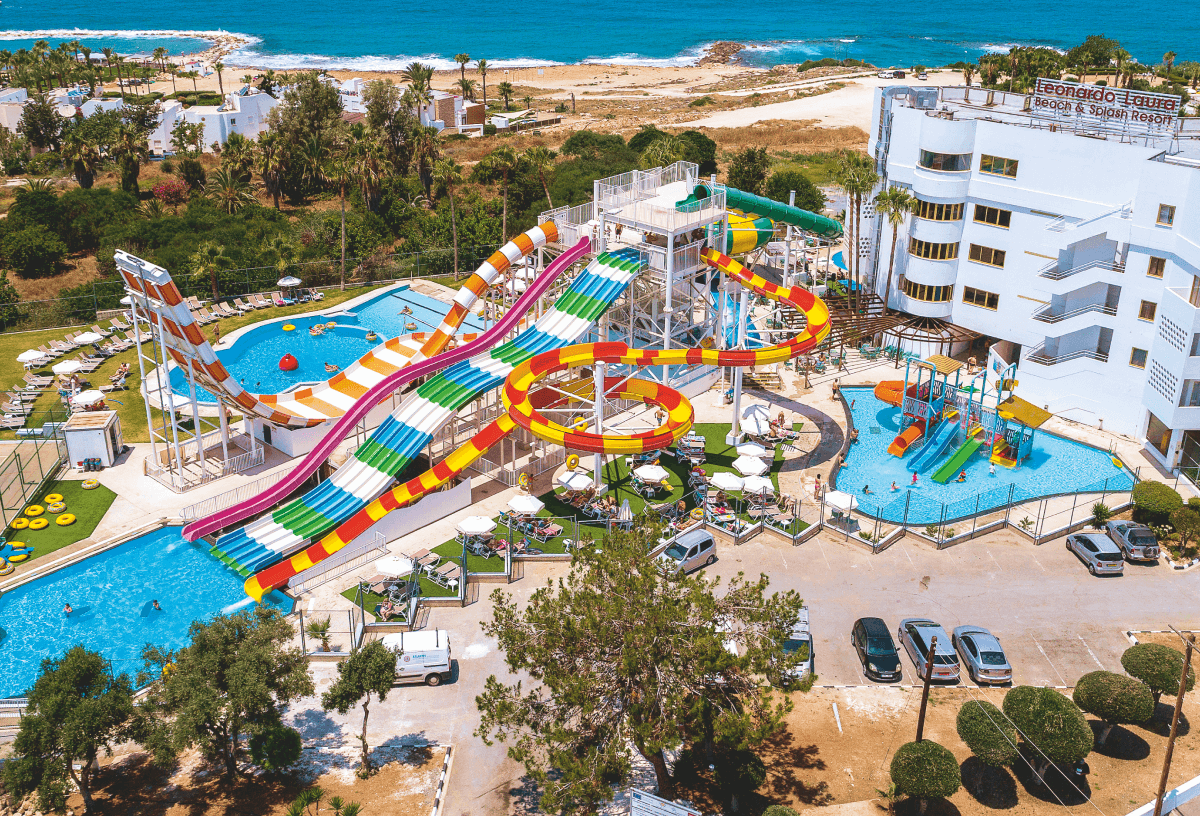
959,458
767,208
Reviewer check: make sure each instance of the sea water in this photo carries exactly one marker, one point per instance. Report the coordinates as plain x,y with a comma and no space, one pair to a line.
386,35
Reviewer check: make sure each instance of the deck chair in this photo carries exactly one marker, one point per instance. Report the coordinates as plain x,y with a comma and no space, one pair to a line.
89,365
11,423
51,353
118,323
260,301
447,575
59,345
280,300
426,560
16,408
241,306
100,331
20,396
36,381
313,294
193,303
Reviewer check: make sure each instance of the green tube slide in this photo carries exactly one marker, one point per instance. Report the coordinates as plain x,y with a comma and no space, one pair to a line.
783,213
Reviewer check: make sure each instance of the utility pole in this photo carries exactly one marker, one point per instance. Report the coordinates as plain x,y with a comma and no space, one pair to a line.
1190,640
925,691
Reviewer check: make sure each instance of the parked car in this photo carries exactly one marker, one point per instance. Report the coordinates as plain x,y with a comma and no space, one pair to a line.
424,657
1098,551
690,551
799,642
886,75
982,654
922,75
1137,541
876,649
898,75
916,635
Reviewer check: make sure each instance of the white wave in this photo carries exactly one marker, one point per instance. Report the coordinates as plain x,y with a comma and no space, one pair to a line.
124,34
689,57
236,605
292,62
848,41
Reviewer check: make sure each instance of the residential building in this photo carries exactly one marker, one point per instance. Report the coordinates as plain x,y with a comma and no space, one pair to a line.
12,105
444,110
244,111
1071,241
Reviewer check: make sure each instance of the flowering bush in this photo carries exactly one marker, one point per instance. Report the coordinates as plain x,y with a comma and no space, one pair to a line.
171,192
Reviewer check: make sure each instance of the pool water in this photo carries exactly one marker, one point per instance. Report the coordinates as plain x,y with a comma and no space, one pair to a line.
1055,466
111,595
254,357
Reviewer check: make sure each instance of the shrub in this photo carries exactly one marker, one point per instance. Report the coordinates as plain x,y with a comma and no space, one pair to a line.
1114,698
561,107
33,252
987,732
808,197
740,773
925,770
780,810
1101,513
43,164
276,747
172,192
489,130
1050,721
168,166
192,173
1154,502
701,102
748,170
1157,666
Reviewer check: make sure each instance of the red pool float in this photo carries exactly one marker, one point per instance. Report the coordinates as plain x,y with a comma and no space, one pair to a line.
288,363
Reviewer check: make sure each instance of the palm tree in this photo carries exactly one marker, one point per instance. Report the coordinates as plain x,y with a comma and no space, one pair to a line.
1168,63
663,151
417,73
160,56
505,89
968,73
313,153
129,150
270,159
339,171
446,175
466,87
462,60
228,190
237,156
284,253
84,156
540,160
208,262
371,166
220,66
1120,56
193,75
426,150
855,173
482,66
893,204
503,161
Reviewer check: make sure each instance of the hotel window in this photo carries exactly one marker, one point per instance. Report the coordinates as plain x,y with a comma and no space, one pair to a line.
1147,311
1190,398
980,298
1166,214
931,251
1157,267
1137,358
994,216
996,166
1195,345
986,255
946,162
1194,295
927,293
939,212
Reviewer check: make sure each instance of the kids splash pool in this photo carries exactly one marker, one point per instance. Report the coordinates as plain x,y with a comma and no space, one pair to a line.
1055,466
112,595
254,356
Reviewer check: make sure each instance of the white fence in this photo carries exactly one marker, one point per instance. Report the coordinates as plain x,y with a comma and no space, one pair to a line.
350,557
229,498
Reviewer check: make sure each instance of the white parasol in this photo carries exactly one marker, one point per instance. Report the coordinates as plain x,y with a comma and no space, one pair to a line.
31,356
842,502
756,425
66,367
526,505
625,514
750,466
724,480
396,566
758,485
476,525
651,473
288,281
575,481
127,301
88,397
751,449
87,337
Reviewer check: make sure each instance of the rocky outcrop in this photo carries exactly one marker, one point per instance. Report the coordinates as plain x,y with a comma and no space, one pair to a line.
721,53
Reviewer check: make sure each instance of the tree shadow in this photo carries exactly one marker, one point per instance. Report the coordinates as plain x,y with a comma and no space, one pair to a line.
1059,788
1160,723
784,756
1121,743
989,786
408,749
524,797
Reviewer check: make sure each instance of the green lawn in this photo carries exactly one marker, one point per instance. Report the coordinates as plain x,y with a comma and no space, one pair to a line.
88,507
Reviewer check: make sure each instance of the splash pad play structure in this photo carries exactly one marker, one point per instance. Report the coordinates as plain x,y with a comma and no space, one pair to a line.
645,302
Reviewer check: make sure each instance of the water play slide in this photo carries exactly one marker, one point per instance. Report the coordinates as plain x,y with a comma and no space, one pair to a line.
933,448
731,318
960,458
891,392
523,406
747,233
749,203
907,438
388,384
402,436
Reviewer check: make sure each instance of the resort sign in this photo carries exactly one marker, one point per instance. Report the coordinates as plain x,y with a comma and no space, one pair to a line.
1109,108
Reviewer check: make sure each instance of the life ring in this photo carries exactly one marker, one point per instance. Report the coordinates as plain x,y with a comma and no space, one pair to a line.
19,523
5,567
65,520
697,513
330,324
34,510
707,343
39,524
56,508
523,481
372,337
288,327
410,326
18,557
90,484
572,461
53,498
581,424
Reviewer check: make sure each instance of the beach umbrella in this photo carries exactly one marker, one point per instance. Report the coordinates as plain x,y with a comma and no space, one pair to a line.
87,337
31,356
724,480
127,301
575,481
842,502
397,566
526,505
288,281
751,449
750,466
88,397
757,485
651,473
66,367
756,425
476,525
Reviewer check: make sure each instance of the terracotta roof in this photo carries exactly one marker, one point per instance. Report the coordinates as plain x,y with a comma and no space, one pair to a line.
1024,412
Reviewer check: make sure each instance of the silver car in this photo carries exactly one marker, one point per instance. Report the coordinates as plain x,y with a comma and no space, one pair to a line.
1098,551
690,551
915,635
1137,541
982,655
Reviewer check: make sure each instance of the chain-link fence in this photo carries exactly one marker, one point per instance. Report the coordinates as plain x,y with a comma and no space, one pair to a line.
30,462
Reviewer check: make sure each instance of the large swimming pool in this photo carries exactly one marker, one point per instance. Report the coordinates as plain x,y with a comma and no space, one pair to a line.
254,357
112,597
1056,466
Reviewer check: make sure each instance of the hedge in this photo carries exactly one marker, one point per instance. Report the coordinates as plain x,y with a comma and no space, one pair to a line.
1157,666
1154,502
987,732
1049,720
925,770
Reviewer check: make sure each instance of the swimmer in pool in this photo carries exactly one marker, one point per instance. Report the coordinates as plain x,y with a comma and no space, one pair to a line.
67,610
154,603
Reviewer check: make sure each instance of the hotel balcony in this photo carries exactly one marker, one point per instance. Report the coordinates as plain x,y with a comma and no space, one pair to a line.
1091,343
1084,305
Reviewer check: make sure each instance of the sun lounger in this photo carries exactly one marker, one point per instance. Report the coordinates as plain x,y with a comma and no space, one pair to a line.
16,395
89,365
242,307
12,423
37,382
280,300
51,353
194,303
260,301
446,575
118,323
100,331
315,295
119,385
16,408
426,560
60,346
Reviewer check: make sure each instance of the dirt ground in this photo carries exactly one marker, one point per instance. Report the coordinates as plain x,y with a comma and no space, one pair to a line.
814,763
133,786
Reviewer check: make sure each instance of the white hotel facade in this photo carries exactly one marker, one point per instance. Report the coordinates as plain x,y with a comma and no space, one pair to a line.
1073,246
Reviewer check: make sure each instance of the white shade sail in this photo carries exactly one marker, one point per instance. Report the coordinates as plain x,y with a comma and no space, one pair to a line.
651,473
750,466
842,502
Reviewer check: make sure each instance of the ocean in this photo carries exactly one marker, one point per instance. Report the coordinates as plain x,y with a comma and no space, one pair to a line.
386,34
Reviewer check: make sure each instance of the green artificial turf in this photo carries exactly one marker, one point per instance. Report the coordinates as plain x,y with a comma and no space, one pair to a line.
88,507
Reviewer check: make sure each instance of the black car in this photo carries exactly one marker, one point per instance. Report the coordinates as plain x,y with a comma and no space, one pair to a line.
876,649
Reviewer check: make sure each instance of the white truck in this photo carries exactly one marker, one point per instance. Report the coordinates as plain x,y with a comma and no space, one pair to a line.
424,657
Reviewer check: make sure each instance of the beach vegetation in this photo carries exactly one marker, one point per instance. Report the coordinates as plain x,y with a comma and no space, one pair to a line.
40,124
505,89
748,170
781,184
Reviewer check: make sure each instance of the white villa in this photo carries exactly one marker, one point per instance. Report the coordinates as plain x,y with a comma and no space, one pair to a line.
244,111
446,110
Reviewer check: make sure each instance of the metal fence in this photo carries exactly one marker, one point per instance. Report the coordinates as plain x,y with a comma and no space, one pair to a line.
350,557
29,463
343,631
229,498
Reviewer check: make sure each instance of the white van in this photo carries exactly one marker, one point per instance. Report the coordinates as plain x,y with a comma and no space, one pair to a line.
424,656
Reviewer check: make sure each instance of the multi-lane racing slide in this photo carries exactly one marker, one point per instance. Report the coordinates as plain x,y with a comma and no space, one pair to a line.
423,364
404,434
523,406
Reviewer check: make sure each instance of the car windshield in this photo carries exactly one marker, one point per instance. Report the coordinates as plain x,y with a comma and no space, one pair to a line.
993,658
944,659
676,551
1108,556
880,647
1142,538
793,646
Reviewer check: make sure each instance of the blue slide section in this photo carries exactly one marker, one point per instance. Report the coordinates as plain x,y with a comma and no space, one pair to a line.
933,449
729,323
